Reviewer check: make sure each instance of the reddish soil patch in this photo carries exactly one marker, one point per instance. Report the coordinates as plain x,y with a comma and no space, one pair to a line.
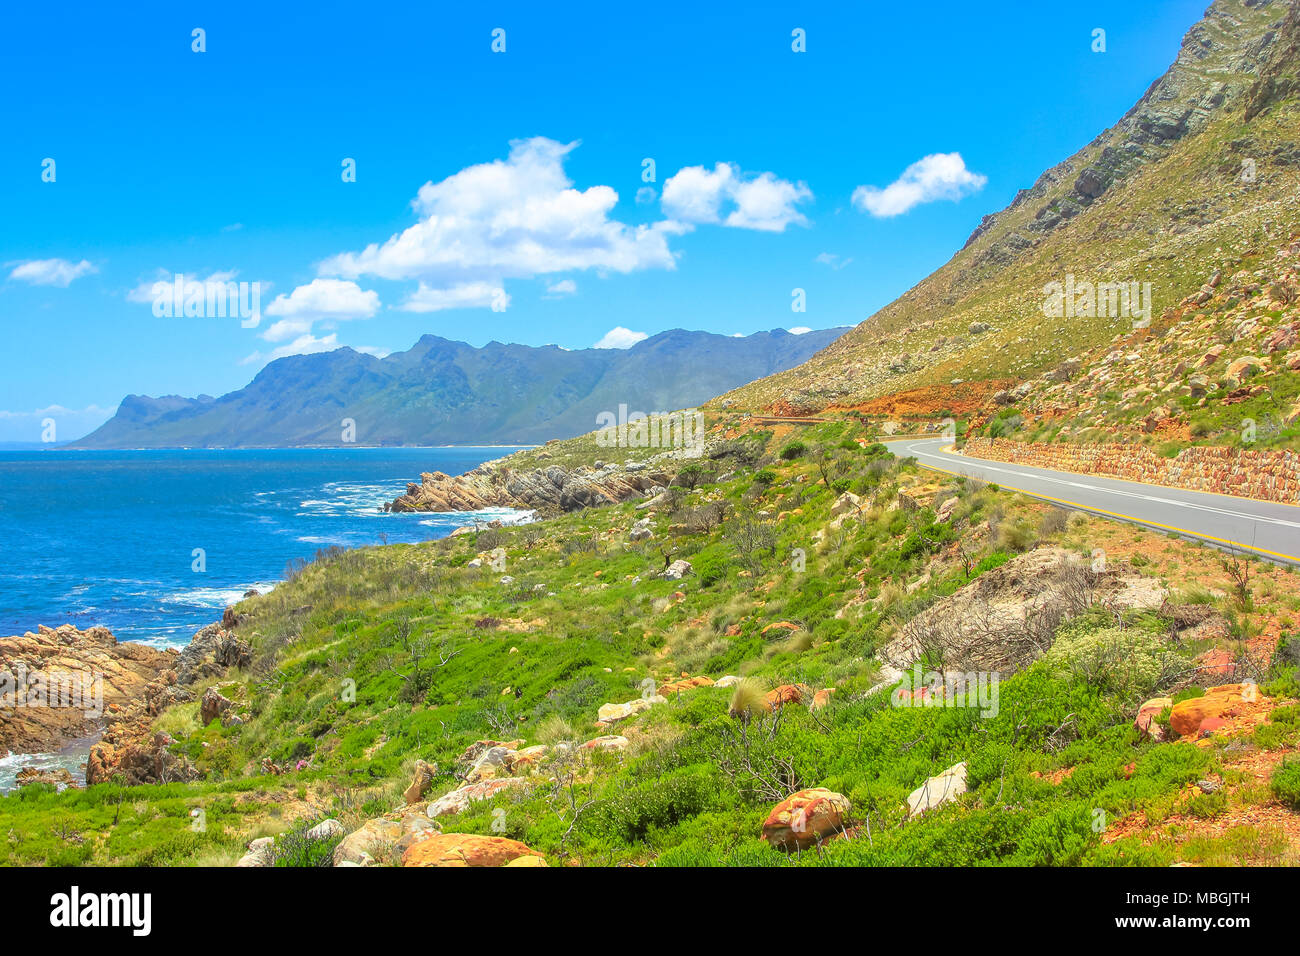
930,400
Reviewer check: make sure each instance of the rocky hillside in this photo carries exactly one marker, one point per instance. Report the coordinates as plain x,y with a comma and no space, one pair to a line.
1221,367
441,392
1197,176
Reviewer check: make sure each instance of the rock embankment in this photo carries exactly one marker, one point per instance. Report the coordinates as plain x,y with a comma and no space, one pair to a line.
131,750
548,491
1266,474
60,684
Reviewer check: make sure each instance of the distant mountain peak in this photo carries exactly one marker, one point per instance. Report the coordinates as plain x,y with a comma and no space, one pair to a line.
442,391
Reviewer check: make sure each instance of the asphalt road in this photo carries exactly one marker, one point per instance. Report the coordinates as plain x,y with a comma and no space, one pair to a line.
1265,528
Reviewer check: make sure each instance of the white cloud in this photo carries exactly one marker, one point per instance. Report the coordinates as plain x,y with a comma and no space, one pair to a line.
465,295
326,299
833,260
59,272
938,176
646,195
321,300
513,218
764,202
799,330
564,287
620,338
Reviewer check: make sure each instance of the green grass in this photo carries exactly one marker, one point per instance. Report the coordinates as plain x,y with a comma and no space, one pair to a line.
365,660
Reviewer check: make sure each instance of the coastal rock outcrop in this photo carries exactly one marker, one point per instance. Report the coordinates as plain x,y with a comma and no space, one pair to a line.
548,491
60,684
210,653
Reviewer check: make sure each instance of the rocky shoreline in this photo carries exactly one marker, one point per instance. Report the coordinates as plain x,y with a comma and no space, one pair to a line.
64,685
547,491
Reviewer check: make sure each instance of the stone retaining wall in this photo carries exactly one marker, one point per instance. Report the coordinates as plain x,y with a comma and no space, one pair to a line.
1265,474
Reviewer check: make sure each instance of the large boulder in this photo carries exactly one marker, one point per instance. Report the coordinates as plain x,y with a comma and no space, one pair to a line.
1242,369
458,800
846,503
421,778
677,570
613,713
260,853
213,705
938,790
383,839
1188,716
806,818
465,849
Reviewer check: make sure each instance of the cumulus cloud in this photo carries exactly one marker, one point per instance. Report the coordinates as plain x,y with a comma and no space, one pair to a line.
465,295
57,272
326,299
724,196
620,338
514,218
556,290
799,330
321,300
938,176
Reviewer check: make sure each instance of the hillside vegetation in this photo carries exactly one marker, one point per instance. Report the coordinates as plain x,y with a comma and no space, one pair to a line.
557,685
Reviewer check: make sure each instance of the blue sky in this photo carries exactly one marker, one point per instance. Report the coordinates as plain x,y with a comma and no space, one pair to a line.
773,171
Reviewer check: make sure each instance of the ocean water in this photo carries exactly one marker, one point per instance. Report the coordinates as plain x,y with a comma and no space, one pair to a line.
109,537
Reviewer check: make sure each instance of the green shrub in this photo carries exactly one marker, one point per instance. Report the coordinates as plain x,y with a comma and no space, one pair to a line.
1127,662
795,449
630,814
1285,783
296,848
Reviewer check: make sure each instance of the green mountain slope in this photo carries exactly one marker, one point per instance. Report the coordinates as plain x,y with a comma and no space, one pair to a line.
1161,197
443,392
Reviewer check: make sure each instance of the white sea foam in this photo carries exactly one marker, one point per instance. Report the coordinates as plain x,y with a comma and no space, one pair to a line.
215,597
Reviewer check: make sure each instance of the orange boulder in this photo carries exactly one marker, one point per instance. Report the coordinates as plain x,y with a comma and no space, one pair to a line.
1221,701
806,818
465,849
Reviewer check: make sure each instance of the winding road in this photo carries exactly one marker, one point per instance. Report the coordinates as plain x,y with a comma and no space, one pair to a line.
1266,528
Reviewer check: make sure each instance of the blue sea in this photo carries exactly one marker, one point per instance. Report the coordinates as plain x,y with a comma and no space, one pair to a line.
109,537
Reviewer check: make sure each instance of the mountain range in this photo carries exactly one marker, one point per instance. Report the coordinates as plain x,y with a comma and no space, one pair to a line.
441,392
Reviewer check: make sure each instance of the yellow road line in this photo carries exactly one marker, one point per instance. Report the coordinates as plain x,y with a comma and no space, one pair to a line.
1124,517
